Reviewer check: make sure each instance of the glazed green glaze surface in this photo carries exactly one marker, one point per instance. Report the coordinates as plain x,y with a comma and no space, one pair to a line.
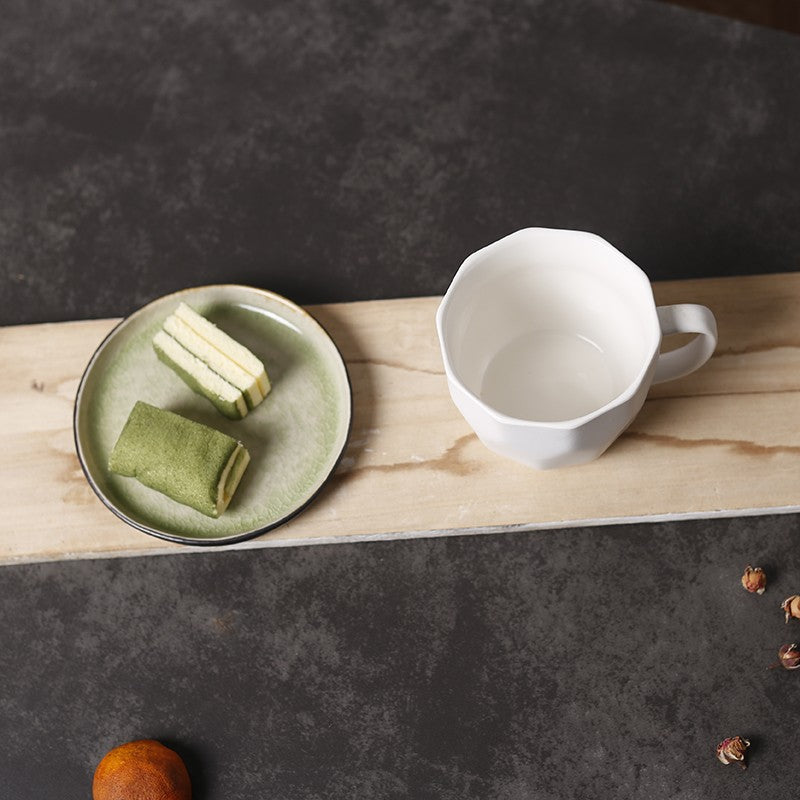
295,437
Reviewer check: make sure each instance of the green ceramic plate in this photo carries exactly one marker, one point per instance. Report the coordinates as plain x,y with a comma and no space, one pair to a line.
295,437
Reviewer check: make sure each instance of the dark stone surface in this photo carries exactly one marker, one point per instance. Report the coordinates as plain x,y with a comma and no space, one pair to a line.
589,663
362,148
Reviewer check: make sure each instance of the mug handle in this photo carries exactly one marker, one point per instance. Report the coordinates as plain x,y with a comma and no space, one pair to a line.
685,318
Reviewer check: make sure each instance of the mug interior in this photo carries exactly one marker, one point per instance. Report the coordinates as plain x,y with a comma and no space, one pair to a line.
549,325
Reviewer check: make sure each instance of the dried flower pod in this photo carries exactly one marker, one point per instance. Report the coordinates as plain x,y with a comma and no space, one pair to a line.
754,579
789,656
791,606
732,749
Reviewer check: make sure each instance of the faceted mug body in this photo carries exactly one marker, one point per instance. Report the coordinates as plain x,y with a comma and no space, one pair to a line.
550,341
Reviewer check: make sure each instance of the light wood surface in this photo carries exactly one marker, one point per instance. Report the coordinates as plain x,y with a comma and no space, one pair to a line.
723,440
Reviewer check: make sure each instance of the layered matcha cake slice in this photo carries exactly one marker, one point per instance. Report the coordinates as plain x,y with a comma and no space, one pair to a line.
216,360
187,461
220,340
200,377
211,362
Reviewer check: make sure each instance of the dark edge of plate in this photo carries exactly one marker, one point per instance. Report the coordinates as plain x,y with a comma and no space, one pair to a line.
176,538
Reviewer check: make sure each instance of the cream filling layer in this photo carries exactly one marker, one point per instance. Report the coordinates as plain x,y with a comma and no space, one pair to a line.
220,363
230,477
225,344
200,372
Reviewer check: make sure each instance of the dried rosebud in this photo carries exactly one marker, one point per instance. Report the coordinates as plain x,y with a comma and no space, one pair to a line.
732,749
791,605
789,656
754,579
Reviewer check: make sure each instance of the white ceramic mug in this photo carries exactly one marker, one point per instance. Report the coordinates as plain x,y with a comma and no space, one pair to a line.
550,341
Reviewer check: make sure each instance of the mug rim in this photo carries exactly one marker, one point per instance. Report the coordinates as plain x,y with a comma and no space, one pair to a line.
630,390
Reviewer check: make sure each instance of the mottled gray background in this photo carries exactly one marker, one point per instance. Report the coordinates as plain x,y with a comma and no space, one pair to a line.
347,150
591,663
350,149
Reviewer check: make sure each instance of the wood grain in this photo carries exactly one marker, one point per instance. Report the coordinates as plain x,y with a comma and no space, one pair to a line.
723,440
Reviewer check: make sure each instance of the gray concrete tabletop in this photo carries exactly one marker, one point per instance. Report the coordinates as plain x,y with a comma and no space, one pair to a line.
362,149
353,150
603,662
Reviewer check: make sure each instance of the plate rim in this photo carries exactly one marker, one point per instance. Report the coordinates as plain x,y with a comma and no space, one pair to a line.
227,540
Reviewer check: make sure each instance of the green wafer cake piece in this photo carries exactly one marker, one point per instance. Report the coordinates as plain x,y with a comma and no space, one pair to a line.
229,400
220,340
189,462
216,360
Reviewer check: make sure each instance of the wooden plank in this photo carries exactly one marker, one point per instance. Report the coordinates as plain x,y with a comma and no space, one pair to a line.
724,440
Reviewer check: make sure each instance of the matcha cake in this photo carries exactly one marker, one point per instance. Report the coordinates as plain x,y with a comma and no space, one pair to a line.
189,462
217,361
211,362
200,377
225,344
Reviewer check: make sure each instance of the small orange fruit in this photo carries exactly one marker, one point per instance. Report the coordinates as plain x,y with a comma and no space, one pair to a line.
141,770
